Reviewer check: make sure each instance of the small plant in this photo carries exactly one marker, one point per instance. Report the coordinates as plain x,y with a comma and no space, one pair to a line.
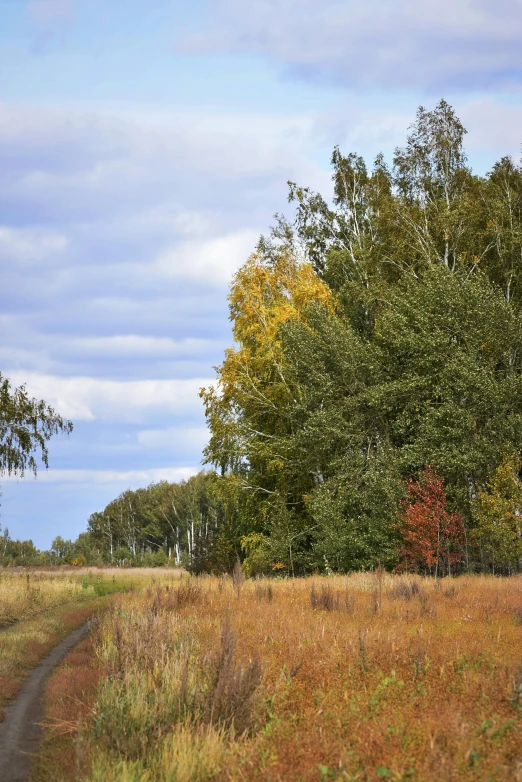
403,589
419,661
188,593
516,695
264,592
348,602
426,609
238,577
327,569
233,699
375,603
363,654
326,599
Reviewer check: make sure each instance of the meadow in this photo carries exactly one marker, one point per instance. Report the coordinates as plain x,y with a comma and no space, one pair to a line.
24,593
364,677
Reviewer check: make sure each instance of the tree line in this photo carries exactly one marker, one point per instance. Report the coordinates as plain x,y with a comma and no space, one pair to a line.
163,524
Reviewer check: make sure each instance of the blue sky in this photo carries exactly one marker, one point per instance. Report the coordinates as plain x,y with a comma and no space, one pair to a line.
143,149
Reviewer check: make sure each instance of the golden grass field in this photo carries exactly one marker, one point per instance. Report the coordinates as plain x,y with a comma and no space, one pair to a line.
364,677
24,593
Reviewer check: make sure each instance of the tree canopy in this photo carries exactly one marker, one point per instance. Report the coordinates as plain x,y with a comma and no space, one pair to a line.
369,411
376,334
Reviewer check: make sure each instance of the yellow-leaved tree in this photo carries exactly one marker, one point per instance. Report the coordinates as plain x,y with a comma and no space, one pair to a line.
498,513
247,409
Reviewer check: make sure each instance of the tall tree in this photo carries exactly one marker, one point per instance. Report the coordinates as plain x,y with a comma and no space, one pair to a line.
497,510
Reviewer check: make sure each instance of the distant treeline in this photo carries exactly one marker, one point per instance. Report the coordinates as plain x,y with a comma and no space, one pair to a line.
166,523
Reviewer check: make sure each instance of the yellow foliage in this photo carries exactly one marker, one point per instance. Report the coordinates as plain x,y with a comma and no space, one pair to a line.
498,513
253,377
264,296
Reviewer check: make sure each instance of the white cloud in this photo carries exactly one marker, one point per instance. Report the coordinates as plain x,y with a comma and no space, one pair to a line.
94,164
135,346
194,438
213,260
87,399
30,245
124,478
431,45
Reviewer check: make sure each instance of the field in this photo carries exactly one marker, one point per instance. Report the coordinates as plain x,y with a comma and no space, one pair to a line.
38,608
365,677
25,593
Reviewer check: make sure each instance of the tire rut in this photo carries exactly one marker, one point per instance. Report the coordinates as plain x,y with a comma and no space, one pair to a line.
20,731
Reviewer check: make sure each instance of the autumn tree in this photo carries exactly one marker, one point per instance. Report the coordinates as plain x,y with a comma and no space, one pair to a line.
433,537
497,510
378,331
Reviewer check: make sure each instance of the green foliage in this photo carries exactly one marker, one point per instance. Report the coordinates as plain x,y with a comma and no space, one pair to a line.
497,511
18,552
166,523
374,335
355,511
26,425
256,546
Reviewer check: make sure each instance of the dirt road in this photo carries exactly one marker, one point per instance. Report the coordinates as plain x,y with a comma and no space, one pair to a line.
20,732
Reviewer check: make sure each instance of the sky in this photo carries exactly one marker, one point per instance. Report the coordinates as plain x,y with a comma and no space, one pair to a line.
144,147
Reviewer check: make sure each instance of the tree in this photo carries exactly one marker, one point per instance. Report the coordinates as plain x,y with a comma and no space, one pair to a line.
26,425
497,510
433,537
249,407
61,548
181,522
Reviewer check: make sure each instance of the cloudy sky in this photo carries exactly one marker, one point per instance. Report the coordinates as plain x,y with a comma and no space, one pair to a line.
144,146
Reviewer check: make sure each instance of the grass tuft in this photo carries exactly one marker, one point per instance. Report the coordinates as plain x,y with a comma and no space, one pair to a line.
233,698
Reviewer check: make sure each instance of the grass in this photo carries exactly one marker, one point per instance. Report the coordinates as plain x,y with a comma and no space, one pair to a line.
365,677
40,608
24,594
26,643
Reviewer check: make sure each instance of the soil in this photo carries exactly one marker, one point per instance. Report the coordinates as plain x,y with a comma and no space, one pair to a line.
20,731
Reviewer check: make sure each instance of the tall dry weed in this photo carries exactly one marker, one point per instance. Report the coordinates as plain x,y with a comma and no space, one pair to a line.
264,592
238,577
233,698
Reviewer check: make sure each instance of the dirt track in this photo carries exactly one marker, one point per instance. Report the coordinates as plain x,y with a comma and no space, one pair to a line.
20,732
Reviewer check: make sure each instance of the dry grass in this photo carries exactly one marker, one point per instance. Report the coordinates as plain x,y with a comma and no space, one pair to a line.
24,645
26,593
44,607
374,677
